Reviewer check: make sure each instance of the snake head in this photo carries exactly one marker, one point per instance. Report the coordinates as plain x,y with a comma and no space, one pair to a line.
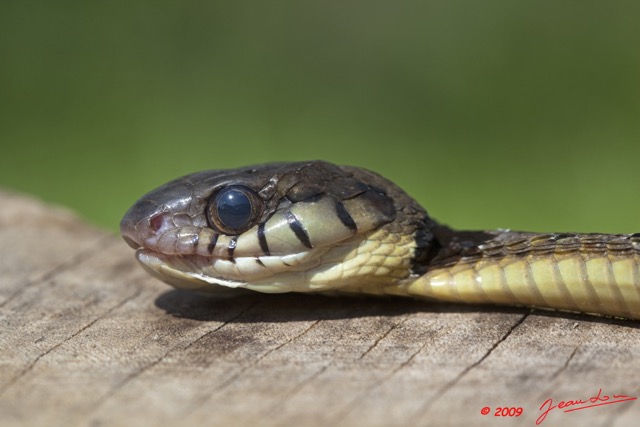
303,227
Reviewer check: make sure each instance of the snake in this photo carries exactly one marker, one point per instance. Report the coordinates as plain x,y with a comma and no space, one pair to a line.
318,227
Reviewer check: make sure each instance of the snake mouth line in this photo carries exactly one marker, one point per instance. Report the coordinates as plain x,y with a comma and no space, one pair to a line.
179,271
200,272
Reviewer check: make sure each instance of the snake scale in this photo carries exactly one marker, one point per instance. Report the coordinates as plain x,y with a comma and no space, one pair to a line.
319,227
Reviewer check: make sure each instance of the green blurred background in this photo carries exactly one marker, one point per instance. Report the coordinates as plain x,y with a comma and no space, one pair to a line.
498,113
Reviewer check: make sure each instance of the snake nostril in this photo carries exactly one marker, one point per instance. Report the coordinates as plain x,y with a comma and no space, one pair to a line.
156,222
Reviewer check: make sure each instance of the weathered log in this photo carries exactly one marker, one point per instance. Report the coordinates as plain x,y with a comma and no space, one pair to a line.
87,338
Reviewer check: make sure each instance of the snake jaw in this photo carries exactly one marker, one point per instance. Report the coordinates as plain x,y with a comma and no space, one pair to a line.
374,259
159,268
208,274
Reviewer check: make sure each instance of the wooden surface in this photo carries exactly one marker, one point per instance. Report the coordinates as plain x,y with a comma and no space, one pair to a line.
87,338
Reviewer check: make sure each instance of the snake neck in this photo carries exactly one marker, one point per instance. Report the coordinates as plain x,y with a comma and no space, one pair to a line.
588,273
438,244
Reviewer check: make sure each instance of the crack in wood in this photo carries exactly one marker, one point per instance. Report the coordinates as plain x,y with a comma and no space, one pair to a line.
178,347
448,386
39,357
566,363
75,260
226,383
382,337
276,408
352,405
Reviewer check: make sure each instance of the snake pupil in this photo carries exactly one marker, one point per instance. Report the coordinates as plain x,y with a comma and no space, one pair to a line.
234,208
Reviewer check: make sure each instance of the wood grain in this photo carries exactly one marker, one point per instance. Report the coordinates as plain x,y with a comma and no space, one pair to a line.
87,338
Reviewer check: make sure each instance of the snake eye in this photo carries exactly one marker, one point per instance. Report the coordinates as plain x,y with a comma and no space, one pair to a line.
234,209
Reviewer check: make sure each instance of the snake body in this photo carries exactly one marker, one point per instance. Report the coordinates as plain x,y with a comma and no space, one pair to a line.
319,227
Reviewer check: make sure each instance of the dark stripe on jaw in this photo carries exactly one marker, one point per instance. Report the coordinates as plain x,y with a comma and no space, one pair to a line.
298,229
232,247
212,244
259,262
345,217
263,239
194,242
